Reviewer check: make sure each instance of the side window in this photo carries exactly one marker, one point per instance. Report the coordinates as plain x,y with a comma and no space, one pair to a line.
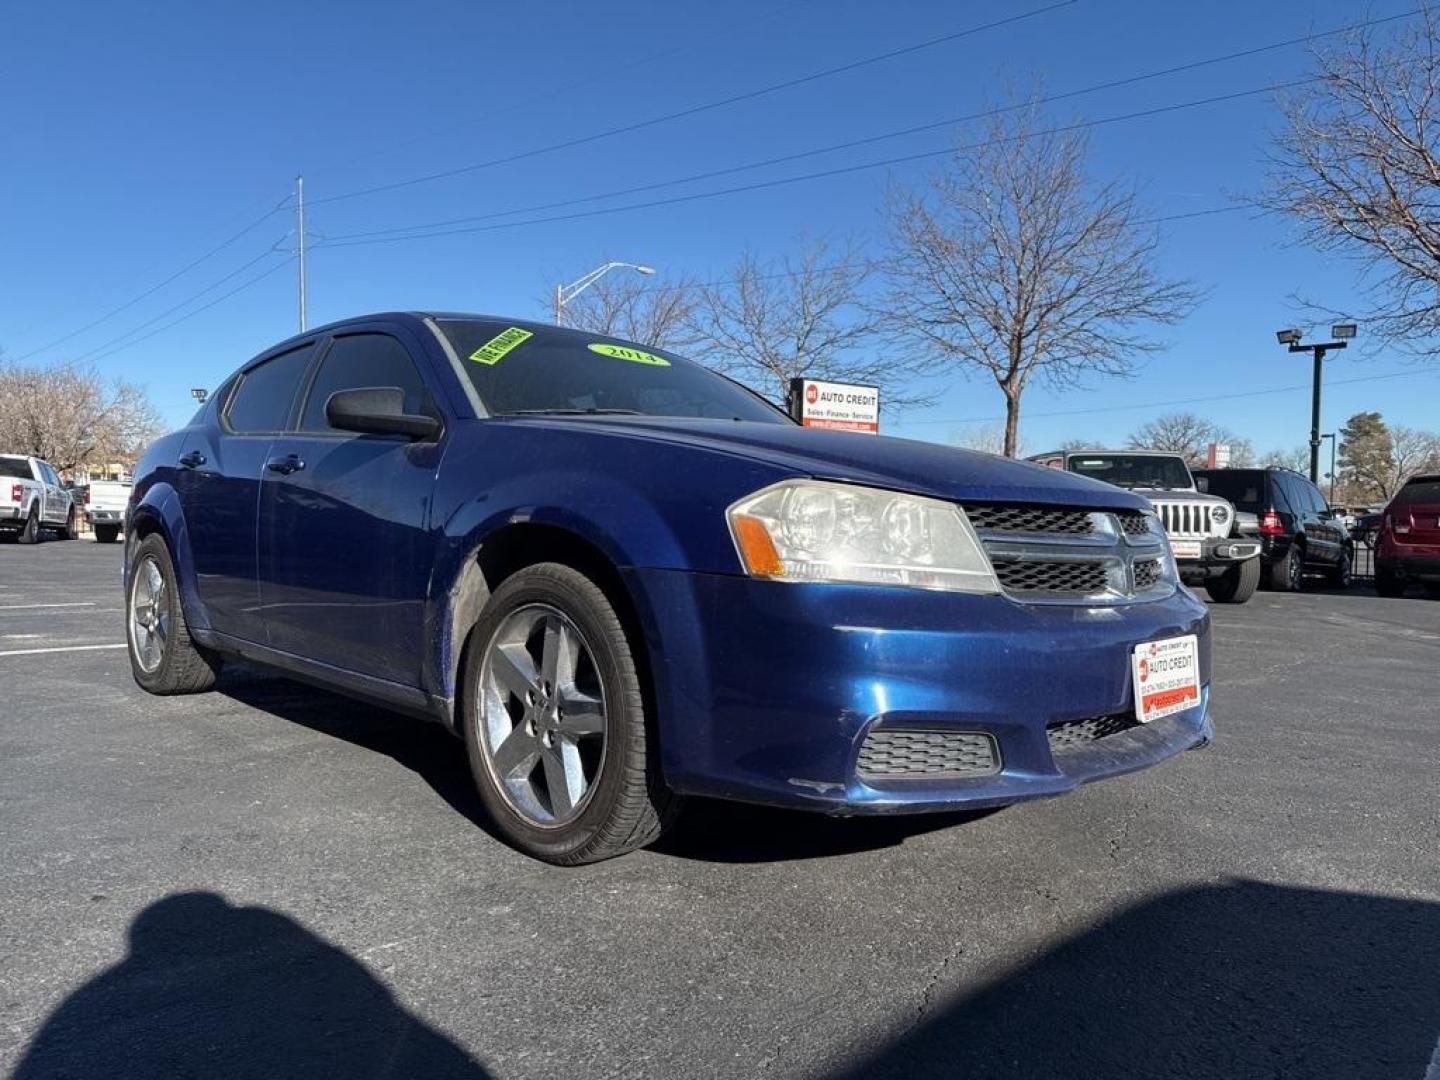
357,360
1280,493
262,400
51,476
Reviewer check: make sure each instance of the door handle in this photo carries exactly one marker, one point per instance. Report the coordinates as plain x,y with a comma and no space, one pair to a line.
193,460
285,465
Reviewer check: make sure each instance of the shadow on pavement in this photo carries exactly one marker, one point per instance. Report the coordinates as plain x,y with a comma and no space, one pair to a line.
209,989
713,831
1228,981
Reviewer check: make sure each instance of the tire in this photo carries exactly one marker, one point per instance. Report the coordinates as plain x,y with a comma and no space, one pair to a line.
1285,575
624,804
67,531
1344,573
182,667
1237,584
30,533
107,534
1387,584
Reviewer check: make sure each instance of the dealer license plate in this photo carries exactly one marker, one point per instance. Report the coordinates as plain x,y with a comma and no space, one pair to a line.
1166,677
1185,549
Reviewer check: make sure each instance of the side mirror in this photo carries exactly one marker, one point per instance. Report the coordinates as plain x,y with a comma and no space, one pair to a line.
378,410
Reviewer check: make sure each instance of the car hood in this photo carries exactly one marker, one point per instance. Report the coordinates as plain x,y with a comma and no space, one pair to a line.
922,468
1178,495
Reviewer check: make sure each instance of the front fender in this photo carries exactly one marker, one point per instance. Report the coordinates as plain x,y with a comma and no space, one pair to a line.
158,509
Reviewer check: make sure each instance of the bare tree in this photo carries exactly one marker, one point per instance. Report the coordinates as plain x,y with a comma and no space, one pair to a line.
989,439
1190,435
1013,264
70,416
1357,166
798,316
1297,458
624,306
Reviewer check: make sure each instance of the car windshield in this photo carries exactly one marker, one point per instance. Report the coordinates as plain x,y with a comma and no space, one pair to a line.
1134,470
537,369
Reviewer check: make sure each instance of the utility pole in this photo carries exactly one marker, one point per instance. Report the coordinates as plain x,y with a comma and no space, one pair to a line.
1291,338
300,240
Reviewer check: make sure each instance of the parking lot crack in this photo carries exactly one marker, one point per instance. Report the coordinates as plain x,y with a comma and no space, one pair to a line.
928,992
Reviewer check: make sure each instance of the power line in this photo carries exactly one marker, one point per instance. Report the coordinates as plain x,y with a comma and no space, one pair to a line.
203,307
156,288
343,241
104,345
1177,401
695,110
885,136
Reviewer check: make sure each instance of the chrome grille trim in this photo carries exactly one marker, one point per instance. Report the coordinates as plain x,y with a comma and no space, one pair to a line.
1084,557
1186,520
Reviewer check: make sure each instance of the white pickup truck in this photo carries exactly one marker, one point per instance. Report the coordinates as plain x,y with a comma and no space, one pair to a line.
32,499
105,502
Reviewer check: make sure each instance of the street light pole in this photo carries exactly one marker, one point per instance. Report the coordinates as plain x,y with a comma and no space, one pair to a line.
1343,332
565,293
1331,436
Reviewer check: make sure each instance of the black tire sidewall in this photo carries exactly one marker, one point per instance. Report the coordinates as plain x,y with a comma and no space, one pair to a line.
579,599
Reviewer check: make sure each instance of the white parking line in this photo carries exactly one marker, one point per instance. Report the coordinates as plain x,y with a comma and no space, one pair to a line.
60,648
19,607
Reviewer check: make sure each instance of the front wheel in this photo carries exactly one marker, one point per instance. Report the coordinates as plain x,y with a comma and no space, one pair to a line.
554,721
67,531
163,658
1237,584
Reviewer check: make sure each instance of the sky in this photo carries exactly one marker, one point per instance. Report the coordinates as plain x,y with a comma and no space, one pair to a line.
148,155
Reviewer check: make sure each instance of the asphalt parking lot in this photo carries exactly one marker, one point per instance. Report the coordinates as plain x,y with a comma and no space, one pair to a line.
272,881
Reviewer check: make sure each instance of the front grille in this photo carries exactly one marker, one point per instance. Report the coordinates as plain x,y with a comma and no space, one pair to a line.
1185,519
1147,574
900,755
1043,575
1134,523
1029,519
1074,734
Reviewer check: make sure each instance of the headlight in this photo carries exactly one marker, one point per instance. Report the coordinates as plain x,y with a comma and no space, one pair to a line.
814,530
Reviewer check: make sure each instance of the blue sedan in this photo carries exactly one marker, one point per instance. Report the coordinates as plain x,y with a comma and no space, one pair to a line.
621,579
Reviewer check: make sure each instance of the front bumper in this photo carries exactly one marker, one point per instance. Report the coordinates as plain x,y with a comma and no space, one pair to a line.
1217,554
766,691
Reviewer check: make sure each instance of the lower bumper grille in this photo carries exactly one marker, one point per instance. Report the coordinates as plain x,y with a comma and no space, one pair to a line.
927,755
1075,734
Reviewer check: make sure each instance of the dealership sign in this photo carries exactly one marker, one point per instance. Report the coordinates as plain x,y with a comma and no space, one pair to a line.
844,406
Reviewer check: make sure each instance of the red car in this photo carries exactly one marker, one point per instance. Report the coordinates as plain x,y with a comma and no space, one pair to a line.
1408,548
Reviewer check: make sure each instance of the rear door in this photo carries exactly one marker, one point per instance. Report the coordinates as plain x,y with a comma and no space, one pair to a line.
346,541
219,484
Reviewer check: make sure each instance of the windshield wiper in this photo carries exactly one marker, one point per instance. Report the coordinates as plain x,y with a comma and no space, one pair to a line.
572,412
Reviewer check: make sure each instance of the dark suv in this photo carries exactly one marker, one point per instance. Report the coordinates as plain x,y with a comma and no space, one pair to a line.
1299,532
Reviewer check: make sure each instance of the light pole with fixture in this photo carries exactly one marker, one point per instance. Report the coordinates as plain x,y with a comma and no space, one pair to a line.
1342,333
565,293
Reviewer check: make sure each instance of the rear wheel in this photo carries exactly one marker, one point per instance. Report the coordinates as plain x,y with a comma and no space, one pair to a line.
554,721
163,658
1286,574
1237,584
30,534
107,534
1388,583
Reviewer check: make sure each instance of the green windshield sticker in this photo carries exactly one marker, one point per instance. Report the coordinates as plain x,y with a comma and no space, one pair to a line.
494,350
624,352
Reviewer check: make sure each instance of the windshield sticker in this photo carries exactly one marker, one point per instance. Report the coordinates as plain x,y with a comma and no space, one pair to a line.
494,350
623,352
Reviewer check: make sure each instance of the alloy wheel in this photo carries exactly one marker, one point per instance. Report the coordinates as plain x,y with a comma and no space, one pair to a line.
542,722
149,615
